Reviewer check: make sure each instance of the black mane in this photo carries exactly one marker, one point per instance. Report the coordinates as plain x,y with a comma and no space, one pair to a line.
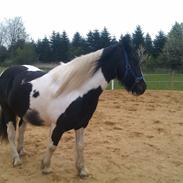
110,60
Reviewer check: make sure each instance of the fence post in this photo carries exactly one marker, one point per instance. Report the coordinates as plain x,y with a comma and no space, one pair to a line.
112,85
172,79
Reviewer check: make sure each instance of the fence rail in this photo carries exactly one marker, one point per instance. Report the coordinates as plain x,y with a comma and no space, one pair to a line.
160,81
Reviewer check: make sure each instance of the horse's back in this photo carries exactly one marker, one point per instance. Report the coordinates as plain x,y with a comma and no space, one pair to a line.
19,73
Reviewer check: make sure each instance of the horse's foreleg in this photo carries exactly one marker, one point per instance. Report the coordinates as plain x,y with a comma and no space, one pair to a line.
55,136
46,161
20,147
12,137
80,165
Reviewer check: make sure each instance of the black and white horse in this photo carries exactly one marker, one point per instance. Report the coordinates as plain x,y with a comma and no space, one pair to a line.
64,98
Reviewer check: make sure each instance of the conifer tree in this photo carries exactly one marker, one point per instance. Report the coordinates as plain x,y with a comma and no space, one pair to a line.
148,44
172,55
138,37
127,38
105,38
43,50
56,43
78,45
65,47
159,43
93,41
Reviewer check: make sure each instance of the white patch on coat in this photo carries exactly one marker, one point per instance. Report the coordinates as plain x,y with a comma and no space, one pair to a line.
31,68
80,164
46,162
12,138
20,145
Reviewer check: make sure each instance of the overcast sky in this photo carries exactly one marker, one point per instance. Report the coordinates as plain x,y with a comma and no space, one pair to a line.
41,17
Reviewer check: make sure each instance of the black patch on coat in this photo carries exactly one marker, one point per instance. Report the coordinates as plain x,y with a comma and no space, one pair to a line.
19,99
35,93
33,117
77,115
6,116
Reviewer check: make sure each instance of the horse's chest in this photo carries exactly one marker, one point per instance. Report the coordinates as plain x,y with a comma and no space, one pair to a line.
79,112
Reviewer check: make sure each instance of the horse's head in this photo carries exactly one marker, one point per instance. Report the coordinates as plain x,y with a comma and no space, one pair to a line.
129,72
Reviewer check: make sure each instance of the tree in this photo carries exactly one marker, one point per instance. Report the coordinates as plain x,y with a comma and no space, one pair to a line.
93,41
77,40
65,47
172,56
19,44
2,34
126,38
148,44
159,43
56,46
138,37
78,45
25,55
113,40
43,50
3,53
105,38
15,31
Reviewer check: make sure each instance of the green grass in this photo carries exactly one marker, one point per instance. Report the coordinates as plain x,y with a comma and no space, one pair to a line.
164,81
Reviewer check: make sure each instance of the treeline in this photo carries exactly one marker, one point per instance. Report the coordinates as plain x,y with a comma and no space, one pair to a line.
164,51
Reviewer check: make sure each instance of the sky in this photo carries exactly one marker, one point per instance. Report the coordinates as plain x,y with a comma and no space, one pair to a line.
42,17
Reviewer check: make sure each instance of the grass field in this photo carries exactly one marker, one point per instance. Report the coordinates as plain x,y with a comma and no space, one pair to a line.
154,81
165,81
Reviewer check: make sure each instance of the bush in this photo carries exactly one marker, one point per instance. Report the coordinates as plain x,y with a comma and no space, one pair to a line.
25,55
3,53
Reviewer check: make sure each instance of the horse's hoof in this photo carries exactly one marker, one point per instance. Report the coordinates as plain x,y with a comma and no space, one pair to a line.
83,173
22,152
45,169
16,162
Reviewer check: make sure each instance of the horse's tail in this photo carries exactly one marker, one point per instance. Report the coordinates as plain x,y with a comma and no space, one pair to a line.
3,127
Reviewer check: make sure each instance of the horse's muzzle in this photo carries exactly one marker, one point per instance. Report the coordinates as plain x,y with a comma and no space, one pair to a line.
139,87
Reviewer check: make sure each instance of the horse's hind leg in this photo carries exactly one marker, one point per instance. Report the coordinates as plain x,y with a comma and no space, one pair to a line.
20,146
80,165
11,126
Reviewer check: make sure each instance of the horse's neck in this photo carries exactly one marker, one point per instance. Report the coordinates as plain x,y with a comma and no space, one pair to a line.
109,63
76,74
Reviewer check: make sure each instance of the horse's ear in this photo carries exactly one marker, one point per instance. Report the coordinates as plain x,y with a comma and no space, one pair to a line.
62,63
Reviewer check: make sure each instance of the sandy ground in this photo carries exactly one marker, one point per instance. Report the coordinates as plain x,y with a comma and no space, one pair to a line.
129,140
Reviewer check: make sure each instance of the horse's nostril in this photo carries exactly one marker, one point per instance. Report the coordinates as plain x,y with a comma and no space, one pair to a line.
140,88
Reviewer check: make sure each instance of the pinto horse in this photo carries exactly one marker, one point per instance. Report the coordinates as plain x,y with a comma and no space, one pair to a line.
64,98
